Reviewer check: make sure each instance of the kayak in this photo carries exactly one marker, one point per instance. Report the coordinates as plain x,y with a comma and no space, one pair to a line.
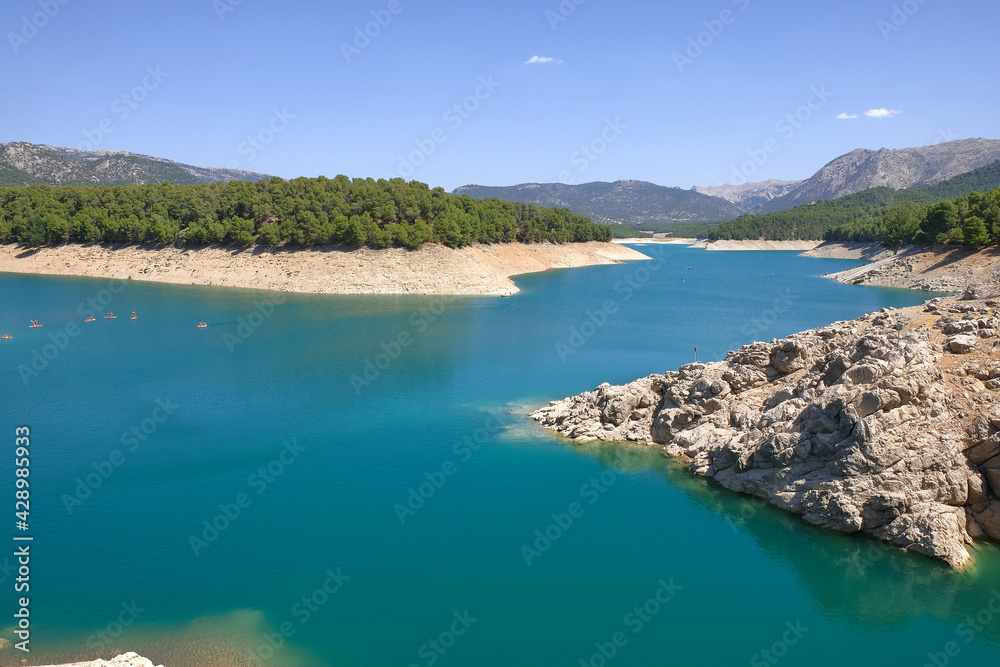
36,326
111,317
7,337
90,319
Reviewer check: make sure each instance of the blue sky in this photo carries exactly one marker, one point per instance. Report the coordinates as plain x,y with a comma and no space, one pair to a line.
200,78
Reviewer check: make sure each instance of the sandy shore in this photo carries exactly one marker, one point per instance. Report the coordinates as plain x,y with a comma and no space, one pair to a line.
433,269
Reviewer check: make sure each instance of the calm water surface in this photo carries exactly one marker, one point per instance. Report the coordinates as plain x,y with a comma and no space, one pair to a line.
389,486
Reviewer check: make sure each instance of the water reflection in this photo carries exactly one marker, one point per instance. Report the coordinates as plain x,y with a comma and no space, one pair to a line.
855,579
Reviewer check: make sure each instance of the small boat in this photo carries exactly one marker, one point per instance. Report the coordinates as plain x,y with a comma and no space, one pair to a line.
6,337
507,295
90,319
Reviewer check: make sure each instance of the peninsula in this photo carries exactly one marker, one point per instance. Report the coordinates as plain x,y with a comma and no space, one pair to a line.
888,425
479,269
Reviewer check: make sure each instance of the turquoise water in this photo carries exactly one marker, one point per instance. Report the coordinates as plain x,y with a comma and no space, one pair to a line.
446,411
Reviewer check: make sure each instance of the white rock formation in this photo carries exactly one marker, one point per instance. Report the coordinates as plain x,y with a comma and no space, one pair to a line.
874,425
123,660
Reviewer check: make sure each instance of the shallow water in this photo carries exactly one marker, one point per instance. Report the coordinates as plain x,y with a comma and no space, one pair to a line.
442,414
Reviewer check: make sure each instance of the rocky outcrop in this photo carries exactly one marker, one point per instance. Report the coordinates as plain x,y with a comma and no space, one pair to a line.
887,425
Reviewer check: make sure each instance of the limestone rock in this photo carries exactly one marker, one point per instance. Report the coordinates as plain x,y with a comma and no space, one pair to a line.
854,426
972,293
988,519
962,343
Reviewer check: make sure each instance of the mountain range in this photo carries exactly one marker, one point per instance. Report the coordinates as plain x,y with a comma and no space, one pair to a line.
625,202
635,202
29,164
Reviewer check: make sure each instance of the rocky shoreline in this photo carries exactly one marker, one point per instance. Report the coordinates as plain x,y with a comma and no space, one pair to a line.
887,425
935,269
483,270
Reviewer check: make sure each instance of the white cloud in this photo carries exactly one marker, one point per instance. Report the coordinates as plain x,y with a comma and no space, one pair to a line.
847,116
882,113
541,60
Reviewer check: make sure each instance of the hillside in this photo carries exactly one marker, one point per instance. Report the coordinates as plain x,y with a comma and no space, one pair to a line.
816,221
29,164
864,169
622,202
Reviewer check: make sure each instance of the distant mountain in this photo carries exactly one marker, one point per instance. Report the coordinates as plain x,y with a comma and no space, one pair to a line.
897,169
750,197
622,202
814,221
29,164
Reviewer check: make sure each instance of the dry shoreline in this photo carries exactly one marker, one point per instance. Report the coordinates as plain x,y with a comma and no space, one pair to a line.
757,245
936,269
835,250
483,270
705,244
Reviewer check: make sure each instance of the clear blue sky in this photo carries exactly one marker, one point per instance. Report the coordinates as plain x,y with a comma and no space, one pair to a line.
222,80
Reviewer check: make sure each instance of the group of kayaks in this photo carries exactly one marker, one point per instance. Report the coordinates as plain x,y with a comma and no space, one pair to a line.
35,324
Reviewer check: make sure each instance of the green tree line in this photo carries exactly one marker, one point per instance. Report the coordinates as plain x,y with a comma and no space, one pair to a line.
973,221
301,212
